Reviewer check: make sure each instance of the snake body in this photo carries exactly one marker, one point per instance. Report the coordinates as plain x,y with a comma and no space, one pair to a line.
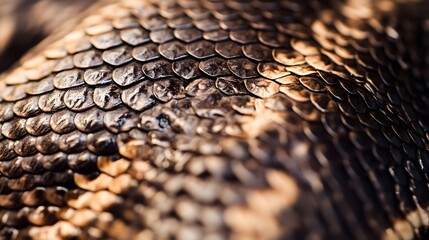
219,120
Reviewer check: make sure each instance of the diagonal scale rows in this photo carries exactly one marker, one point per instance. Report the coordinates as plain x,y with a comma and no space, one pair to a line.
216,120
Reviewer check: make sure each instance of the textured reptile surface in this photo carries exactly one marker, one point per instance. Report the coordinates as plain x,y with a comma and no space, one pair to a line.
218,120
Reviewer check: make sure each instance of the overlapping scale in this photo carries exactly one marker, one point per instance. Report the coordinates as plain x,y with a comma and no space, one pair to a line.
217,119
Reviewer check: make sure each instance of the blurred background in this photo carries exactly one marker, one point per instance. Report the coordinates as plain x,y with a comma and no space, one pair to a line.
24,23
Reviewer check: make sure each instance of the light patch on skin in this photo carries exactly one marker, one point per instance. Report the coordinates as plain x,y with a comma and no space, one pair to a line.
120,230
244,221
83,217
358,9
262,120
70,226
81,201
135,149
57,231
283,194
112,167
403,229
144,235
284,185
103,191
258,219
102,181
122,183
102,200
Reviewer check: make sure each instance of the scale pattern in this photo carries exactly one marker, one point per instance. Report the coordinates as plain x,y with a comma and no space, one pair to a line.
216,120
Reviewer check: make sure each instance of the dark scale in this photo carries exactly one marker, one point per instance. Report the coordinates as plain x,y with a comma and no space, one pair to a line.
220,120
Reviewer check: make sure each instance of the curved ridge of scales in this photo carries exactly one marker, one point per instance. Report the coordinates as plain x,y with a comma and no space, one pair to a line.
214,120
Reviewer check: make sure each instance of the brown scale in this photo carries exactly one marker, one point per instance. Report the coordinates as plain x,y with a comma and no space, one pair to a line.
218,120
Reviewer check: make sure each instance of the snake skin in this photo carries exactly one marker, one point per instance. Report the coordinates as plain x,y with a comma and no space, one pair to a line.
219,120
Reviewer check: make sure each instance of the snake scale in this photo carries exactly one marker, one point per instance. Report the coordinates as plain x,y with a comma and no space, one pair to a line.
211,120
